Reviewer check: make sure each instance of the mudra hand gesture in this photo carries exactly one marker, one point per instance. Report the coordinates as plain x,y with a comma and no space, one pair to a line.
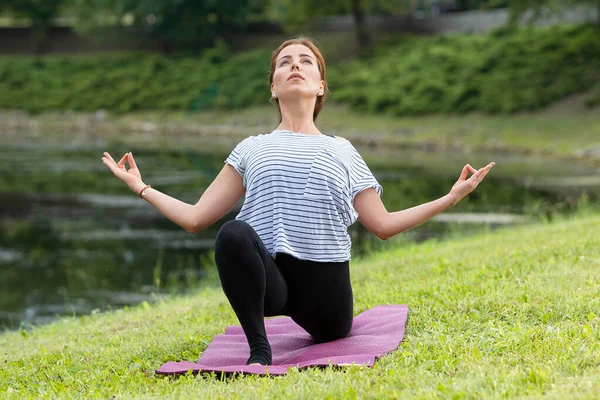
464,186
131,177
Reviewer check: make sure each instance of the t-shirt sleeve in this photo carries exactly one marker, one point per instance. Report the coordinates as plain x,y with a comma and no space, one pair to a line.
239,156
361,177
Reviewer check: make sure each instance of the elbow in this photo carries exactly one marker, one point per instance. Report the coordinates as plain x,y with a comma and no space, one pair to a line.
197,227
193,229
382,233
194,224
379,227
383,236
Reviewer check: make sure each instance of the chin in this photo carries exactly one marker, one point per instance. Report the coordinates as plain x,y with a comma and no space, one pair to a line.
294,94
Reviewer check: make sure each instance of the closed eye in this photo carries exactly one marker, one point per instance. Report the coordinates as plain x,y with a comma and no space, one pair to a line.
285,62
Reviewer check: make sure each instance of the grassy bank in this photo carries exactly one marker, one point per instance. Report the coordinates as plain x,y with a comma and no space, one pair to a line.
503,71
510,313
566,129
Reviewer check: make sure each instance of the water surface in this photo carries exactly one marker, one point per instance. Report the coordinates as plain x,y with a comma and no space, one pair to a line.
74,239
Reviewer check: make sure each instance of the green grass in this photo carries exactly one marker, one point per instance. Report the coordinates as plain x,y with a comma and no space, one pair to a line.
513,313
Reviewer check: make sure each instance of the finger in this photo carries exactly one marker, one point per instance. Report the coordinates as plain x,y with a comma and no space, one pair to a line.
486,172
471,169
132,163
476,175
487,169
109,156
110,164
464,173
122,161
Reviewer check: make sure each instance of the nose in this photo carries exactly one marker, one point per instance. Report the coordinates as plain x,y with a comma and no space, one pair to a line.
294,64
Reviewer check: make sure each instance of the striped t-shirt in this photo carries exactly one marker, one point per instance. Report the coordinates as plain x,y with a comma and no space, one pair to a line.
299,192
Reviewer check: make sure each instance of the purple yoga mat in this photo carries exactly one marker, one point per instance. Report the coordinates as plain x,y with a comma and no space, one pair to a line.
375,332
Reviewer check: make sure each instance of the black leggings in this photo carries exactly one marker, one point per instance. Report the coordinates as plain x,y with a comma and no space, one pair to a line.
316,295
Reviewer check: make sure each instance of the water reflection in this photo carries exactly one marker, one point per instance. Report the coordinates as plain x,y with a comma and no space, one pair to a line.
73,239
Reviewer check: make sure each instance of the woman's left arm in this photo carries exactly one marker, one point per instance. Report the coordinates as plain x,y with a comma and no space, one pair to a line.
375,217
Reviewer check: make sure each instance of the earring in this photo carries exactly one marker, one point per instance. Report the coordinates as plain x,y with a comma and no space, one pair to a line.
274,95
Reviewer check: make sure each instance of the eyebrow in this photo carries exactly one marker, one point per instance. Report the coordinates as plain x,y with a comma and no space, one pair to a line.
301,55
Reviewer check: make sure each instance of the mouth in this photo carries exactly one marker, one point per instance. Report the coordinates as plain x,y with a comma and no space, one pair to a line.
295,76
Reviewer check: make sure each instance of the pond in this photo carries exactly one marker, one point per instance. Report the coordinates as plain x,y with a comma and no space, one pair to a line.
74,239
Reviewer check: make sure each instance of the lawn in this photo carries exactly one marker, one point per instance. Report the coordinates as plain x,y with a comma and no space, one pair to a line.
510,313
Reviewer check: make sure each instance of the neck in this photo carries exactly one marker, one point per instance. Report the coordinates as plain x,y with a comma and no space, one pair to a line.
298,117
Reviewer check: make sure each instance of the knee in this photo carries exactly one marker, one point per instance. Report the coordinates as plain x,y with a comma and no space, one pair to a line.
338,331
232,233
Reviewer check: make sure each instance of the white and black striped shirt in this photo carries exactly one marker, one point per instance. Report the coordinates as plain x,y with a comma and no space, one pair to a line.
300,190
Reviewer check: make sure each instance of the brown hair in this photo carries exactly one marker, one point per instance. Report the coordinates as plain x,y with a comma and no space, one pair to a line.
308,42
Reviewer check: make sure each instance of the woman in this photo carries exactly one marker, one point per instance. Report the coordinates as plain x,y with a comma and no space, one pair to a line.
288,250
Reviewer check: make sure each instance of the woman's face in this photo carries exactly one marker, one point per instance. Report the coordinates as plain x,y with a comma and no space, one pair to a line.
296,59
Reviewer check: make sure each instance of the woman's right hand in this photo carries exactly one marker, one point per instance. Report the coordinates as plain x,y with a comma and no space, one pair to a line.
132,177
464,186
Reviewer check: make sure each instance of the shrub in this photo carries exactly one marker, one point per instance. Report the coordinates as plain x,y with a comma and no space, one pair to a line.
504,71
501,72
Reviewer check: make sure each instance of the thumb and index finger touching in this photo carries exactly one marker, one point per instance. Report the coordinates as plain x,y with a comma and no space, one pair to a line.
482,172
477,173
132,163
465,172
110,162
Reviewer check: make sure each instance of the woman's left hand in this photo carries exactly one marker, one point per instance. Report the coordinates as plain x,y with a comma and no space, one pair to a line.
464,186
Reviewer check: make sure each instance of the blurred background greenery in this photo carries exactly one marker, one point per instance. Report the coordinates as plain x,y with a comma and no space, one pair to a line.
419,86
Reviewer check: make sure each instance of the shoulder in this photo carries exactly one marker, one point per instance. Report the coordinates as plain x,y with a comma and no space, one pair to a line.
253,139
343,143
340,139
248,144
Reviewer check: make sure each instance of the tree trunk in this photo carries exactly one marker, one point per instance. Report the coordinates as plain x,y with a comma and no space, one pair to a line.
362,33
39,34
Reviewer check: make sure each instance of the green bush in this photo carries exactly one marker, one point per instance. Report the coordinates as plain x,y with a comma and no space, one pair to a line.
501,72
124,83
593,98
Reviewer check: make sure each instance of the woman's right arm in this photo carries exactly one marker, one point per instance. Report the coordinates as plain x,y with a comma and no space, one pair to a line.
216,201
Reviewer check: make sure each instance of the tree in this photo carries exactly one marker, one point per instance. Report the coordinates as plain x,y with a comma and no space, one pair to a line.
463,5
520,7
297,12
180,24
41,13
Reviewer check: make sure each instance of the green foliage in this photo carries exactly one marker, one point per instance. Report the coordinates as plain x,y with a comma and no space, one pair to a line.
505,71
502,72
294,13
40,12
133,82
538,7
593,98
180,24
463,5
